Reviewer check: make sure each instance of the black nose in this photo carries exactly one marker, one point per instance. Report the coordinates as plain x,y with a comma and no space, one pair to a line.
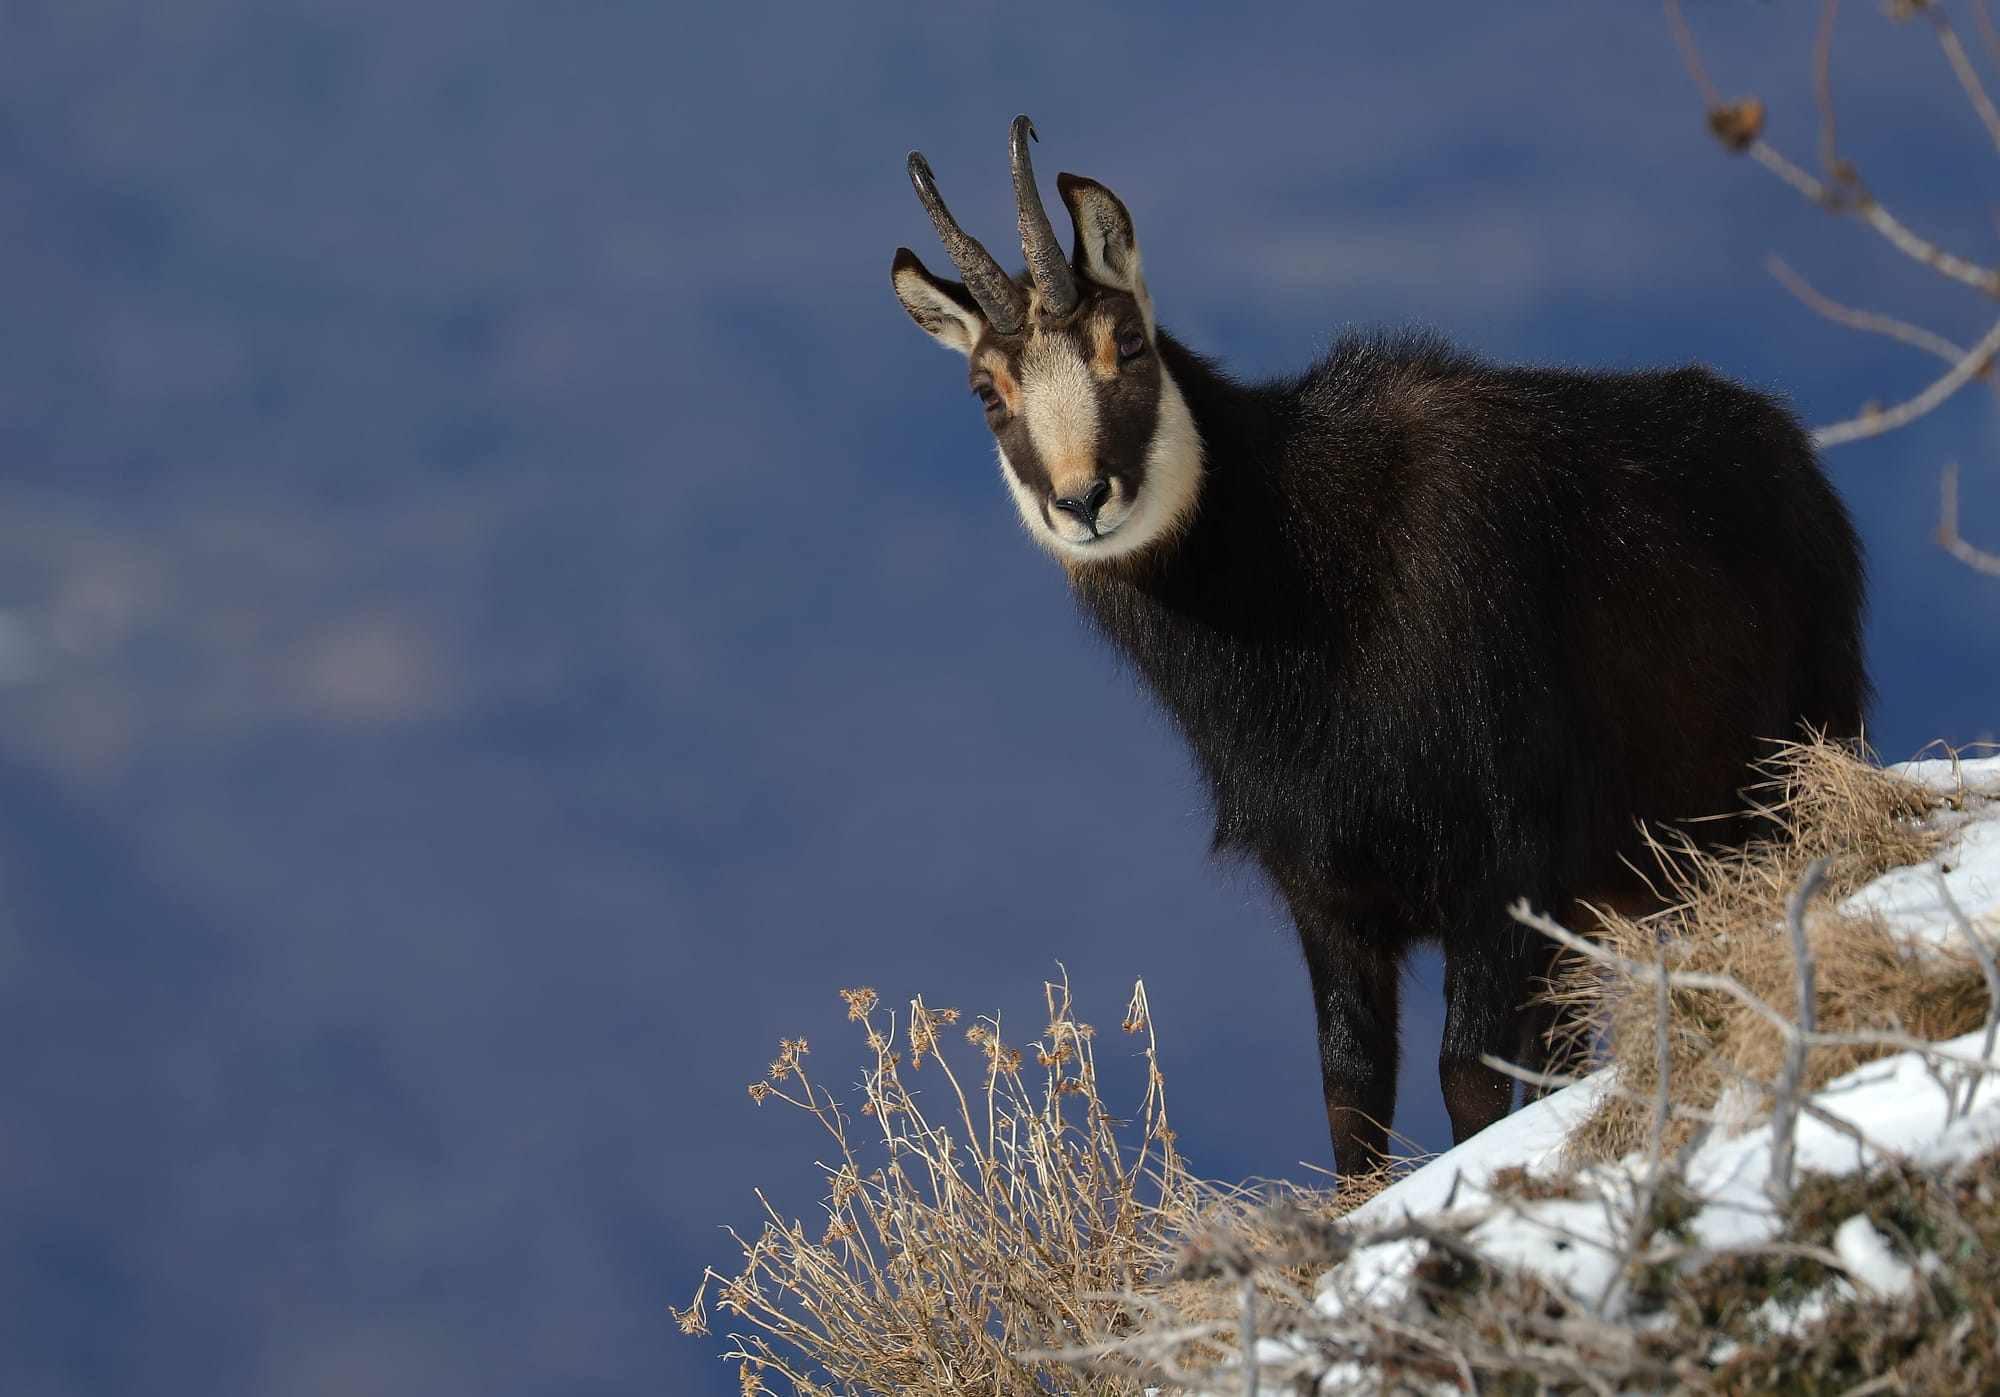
1086,505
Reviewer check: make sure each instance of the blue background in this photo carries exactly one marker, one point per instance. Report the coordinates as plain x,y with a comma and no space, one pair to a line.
501,615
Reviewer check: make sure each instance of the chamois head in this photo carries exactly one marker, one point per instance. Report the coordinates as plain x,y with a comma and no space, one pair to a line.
1096,443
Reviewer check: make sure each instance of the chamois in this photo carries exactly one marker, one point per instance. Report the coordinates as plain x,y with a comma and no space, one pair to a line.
1440,634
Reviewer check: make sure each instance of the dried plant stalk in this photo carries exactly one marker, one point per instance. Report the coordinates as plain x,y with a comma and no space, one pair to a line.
971,1226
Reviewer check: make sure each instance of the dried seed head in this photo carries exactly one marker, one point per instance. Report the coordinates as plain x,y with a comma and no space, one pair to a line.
1138,1011
1737,124
790,1050
694,1319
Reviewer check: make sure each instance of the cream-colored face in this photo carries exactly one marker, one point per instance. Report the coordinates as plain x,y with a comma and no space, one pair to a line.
1097,445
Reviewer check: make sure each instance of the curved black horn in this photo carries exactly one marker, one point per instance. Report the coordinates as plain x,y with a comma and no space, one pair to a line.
1038,239
992,288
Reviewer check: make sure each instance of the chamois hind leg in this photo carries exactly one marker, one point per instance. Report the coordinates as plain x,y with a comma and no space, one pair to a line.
1489,980
1354,953
1554,1039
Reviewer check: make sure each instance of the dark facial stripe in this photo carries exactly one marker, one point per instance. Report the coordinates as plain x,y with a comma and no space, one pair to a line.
1126,411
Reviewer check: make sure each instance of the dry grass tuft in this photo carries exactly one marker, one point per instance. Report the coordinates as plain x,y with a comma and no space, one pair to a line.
1726,916
969,1228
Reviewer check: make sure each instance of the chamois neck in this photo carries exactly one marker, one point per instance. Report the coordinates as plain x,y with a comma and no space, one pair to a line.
1223,409
1243,430
1221,570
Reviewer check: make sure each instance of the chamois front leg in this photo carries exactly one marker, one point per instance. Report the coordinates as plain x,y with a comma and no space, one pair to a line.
1353,951
1491,974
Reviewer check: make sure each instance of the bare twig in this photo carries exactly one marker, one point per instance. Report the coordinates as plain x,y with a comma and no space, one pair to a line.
1805,1106
1968,76
1987,967
1774,160
1886,1039
1663,1064
1889,1040
1791,1251
1976,361
1635,969
1921,249
1948,537
1987,34
1246,1338
1860,204
1836,169
1691,56
1916,336
1791,1080
1547,1081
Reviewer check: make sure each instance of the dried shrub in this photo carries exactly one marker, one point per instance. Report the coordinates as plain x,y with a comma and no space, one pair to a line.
970,1229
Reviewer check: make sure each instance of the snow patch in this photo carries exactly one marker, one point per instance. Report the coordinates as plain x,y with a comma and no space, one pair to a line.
1871,1263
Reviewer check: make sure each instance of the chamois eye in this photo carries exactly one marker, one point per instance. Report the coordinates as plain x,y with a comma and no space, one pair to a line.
988,396
1131,343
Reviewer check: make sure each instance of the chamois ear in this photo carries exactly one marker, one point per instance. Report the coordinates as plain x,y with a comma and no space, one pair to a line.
1107,250
945,309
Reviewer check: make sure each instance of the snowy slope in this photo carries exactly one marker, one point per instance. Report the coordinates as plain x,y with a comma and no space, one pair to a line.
1905,1106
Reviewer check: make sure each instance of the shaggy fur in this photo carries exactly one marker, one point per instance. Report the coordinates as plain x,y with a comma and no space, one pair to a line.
1441,634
